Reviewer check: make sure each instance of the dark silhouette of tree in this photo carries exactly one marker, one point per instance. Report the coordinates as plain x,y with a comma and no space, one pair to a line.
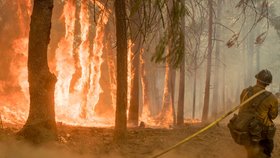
181,99
215,102
136,37
40,125
209,61
121,106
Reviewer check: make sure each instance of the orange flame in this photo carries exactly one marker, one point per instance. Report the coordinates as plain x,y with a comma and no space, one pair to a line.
14,106
74,108
145,115
97,60
165,118
78,108
64,63
166,114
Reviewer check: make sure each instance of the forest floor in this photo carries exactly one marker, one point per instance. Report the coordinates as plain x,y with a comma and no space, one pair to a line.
85,142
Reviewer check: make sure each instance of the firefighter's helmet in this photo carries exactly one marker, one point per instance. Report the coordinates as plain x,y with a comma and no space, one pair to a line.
264,76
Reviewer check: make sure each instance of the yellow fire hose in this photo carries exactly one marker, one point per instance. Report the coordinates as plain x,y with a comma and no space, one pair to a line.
209,126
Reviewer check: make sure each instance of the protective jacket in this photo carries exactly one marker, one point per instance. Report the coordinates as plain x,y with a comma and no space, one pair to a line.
267,110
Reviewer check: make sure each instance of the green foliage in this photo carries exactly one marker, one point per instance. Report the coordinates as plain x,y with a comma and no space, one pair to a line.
173,38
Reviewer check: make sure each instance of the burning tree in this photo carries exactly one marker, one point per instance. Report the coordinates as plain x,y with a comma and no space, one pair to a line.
40,125
121,34
209,60
133,117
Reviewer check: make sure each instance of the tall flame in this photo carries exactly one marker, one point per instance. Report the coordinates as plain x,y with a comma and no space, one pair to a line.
145,115
96,60
65,64
75,107
14,106
78,107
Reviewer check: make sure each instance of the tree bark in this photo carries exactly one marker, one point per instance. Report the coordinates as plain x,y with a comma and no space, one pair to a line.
181,99
209,58
133,117
135,85
146,71
40,126
215,102
134,100
194,88
224,84
121,34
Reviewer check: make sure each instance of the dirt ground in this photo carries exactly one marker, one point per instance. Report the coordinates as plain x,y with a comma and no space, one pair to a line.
83,142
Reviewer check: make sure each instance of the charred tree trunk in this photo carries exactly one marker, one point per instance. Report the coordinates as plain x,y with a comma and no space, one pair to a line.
133,117
209,62
40,126
181,99
76,43
145,74
194,88
224,84
121,34
215,102
180,109
225,96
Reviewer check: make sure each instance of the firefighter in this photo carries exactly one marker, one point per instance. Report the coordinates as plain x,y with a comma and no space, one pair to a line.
264,109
